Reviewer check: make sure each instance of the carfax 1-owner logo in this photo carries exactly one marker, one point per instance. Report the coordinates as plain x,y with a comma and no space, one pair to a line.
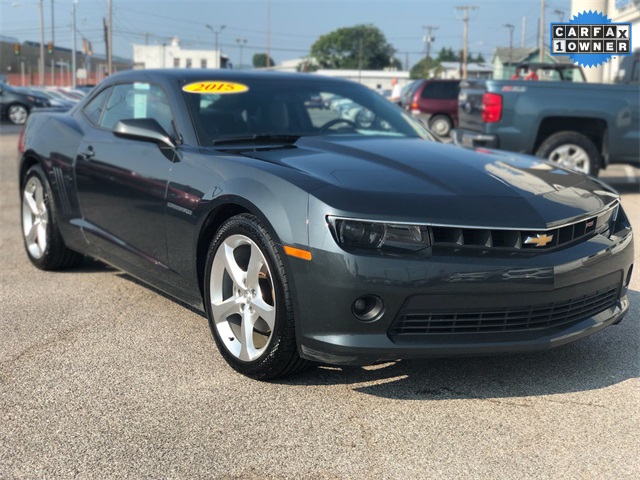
590,39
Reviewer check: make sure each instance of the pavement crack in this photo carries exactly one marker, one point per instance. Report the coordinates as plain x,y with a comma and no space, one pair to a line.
43,346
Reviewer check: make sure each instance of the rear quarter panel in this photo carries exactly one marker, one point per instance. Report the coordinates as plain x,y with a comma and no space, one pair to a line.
52,139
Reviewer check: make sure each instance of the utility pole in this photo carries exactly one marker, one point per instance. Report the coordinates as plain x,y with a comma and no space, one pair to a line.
428,39
465,18
109,40
541,34
268,33
41,62
73,49
53,30
524,29
53,44
360,62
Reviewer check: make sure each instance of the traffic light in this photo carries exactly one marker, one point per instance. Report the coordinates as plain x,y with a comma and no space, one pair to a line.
16,49
50,48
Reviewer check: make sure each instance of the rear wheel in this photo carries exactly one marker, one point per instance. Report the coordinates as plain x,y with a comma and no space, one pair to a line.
42,239
248,301
572,150
441,125
17,114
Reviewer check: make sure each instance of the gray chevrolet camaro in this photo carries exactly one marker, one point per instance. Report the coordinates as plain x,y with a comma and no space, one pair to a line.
336,231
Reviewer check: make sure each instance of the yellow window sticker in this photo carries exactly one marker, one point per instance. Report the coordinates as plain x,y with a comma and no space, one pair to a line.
219,87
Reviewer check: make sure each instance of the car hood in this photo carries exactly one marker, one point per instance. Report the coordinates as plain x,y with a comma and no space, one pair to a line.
412,179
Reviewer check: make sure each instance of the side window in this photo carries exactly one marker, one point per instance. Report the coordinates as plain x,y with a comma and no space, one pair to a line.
137,100
95,107
435,91
635,76
453,90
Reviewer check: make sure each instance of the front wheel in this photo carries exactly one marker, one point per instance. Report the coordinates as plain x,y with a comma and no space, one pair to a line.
248,301
572,150
17,114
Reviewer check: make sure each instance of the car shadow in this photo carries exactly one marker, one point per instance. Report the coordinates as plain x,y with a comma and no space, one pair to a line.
606,358
622,185
133,279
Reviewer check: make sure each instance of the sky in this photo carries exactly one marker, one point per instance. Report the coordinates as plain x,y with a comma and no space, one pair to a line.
294,24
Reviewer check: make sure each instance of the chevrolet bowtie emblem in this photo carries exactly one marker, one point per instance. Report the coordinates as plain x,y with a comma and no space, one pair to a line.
540,240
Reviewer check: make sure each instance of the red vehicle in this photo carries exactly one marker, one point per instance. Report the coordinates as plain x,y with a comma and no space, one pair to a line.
436,102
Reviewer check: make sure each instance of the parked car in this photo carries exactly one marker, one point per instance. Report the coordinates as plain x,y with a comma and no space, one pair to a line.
582,126
308,237
406,94
53,101
16,105
436,103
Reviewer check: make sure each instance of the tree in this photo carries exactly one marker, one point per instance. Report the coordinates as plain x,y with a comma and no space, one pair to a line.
447,55
260,60
354,47
418,70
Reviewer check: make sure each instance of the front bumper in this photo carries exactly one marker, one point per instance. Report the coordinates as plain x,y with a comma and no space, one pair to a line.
471,139
325,289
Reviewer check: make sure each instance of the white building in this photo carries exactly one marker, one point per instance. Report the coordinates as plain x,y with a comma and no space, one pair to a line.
174,56
370,78
617,11
453,70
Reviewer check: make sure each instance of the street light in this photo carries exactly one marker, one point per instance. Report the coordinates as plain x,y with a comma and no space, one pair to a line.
510,27
241,42
73,49
560,14
41,60
216,33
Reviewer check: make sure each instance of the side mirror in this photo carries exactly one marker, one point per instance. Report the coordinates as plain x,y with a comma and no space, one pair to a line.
145,129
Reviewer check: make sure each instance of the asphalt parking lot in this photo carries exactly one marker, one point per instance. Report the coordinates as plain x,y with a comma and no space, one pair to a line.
102,377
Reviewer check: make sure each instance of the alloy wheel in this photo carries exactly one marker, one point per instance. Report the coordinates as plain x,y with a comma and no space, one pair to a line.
242,298
571,156
35,217
17,114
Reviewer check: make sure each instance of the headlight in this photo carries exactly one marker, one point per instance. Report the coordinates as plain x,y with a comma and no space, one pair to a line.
386,237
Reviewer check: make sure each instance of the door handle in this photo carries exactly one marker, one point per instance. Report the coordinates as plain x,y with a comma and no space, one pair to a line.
88,154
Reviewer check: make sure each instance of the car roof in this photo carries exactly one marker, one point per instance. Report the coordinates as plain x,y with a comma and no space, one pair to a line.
194,75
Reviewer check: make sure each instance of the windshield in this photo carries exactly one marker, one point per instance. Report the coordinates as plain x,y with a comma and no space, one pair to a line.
293,107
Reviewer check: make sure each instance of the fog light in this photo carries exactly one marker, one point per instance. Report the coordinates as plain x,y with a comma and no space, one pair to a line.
367,308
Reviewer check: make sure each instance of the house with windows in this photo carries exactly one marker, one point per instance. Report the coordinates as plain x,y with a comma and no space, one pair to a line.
453,70
506,59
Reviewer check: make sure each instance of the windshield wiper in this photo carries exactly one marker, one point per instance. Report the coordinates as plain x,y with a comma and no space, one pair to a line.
258,137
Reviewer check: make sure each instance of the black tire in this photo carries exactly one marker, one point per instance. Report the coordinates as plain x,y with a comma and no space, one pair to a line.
441,125
17,113
55,255
550,147
280,356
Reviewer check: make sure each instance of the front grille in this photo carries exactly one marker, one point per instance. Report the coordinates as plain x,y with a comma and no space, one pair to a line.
533,240
510,319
